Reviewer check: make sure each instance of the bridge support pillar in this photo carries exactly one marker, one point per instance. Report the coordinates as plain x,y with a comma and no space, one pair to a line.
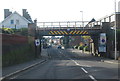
37,37
66,41
109,39
40,46
94,45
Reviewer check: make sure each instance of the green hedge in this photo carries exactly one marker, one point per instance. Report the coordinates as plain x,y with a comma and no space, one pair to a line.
86,48
18,56
21,31
80,47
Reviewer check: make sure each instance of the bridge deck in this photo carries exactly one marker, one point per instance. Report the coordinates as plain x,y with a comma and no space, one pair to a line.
67,28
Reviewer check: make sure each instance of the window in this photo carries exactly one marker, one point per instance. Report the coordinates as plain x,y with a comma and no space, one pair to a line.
17,22
12,22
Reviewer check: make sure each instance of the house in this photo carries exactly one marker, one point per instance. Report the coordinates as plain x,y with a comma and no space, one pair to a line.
15,20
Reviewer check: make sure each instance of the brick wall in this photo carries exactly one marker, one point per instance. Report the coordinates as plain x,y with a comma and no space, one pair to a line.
12,42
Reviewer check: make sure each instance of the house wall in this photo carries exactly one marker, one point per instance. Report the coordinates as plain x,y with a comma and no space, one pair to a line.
21,22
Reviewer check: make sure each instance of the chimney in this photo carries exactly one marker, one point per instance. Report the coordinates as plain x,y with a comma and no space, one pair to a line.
24,12
7,13
26,15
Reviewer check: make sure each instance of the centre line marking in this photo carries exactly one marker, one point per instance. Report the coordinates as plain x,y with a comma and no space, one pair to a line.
84,70
75,62
92,77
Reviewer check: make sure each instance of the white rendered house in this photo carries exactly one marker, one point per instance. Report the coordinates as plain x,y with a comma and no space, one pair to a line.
15,20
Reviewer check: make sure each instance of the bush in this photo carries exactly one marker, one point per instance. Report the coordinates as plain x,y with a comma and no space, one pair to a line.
80,47
76,47
86,48
21,31
18,56
7,31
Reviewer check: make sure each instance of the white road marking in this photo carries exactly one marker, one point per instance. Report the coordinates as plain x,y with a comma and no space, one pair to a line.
14,77
110,62
60,51
92,77
80,64
84,70
76,63
1,78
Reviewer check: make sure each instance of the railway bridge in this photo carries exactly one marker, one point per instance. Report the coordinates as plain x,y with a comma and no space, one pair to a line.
101,32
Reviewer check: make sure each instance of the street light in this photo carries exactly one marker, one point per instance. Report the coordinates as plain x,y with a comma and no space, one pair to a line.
82,18
115,34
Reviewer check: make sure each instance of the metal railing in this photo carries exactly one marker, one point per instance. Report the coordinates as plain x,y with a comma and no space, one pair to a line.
66,24
76,24
62,24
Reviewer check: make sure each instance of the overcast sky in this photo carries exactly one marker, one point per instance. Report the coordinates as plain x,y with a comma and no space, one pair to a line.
60,10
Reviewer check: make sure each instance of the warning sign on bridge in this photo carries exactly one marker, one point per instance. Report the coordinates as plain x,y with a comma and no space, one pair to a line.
68,32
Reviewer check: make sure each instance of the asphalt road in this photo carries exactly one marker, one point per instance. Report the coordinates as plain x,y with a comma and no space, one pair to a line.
69,64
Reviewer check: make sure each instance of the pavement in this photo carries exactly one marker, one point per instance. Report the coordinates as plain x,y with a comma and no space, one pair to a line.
103,59
111,61
7,71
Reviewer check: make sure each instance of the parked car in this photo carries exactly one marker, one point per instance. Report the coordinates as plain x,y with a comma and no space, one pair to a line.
44,46
49,46
62,47
59,47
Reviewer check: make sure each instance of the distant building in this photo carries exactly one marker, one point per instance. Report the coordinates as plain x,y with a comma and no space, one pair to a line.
15,20
74,40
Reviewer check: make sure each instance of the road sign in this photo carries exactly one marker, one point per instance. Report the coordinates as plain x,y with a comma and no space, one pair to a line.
102,44
37,42
102,48
102,38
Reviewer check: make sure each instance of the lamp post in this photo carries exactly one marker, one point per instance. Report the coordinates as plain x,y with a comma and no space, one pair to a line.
115,34
82,18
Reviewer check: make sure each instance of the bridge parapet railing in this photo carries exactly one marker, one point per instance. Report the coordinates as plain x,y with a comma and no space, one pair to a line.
64,25
78,24
108,18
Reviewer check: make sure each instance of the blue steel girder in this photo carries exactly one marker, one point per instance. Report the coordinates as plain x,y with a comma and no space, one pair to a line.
69,32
